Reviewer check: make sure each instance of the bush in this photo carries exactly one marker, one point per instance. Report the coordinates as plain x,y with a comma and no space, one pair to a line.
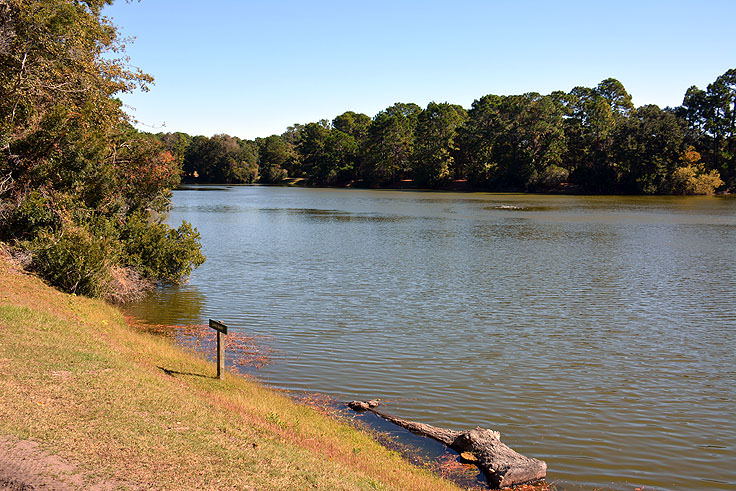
33,213
551,177
74,261
693,179
160,253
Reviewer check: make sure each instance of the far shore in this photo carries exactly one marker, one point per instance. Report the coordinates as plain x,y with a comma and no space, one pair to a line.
457,186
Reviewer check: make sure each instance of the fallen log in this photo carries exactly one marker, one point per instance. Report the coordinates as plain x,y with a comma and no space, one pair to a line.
501,465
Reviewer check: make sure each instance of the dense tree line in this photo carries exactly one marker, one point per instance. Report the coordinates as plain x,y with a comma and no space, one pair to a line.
591,139
81,191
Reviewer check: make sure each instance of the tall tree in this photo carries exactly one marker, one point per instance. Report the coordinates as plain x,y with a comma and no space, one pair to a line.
311,148
341,158
354,124
176,144
596,113
477,138
647,150
357,125
435,147
221,159
392,142
509,141
712,117
275,156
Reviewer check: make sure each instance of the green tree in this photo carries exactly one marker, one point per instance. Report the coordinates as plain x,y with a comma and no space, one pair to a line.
275,156
647,150
340,163
435,148
221,159
353,124
392,143
476,140
712,118
508,142
591,132
176,144
74,173
357,125
291,136
311,148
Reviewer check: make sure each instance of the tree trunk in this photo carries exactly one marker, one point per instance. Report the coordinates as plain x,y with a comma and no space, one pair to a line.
502,465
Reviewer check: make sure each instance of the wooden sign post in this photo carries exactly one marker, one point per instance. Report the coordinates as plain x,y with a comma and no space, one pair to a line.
221,331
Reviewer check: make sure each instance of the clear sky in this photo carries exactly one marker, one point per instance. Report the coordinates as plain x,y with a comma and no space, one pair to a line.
251,68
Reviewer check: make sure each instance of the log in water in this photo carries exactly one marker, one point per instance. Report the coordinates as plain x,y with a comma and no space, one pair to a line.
502,465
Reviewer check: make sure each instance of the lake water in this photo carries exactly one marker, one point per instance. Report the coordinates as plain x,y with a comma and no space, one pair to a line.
596,333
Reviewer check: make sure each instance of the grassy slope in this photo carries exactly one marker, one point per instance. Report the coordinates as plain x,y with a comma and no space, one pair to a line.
77,379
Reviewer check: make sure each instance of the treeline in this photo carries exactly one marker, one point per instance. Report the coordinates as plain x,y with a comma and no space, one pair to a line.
589,140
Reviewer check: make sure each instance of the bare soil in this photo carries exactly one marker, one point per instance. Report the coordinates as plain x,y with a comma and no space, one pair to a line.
25,466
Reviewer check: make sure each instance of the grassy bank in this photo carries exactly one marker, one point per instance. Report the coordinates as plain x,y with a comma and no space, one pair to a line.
131,409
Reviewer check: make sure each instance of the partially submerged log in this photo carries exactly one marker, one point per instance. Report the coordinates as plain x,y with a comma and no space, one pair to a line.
501,465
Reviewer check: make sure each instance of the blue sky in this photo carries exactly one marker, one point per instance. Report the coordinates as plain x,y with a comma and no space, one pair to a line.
252,68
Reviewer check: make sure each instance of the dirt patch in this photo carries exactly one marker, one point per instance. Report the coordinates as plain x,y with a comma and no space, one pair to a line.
25,466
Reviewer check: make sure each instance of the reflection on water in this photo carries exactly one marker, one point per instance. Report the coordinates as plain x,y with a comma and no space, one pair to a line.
332,215
176,305
596,333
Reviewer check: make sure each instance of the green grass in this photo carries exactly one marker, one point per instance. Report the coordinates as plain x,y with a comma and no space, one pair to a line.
88,387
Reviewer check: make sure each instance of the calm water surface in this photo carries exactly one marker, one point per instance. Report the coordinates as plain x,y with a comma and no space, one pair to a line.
596,333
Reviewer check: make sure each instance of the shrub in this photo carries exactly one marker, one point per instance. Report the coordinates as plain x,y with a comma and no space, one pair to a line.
32,213
73,260
692,178
160,253
550,178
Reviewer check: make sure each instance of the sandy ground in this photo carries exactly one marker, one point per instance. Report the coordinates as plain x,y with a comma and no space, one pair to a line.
25,466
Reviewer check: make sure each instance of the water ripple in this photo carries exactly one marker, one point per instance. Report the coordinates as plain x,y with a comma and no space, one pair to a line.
596,333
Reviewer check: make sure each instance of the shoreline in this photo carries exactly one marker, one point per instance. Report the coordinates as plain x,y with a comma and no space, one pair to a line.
455,187
420,450
130,408
28,434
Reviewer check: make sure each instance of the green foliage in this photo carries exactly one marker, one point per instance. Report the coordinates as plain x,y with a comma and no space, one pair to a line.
311,148
508,140
711,114
591,139
75,176
220,159
33,214
354,124
275,157
435,148
647,148
159,252
391,144
74,261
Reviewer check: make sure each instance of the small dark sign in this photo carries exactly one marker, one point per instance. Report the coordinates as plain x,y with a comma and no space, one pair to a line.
218,326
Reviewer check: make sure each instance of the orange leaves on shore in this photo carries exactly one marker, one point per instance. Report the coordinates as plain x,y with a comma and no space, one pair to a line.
241,350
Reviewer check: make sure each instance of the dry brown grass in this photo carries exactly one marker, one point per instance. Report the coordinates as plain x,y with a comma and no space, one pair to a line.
126,285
